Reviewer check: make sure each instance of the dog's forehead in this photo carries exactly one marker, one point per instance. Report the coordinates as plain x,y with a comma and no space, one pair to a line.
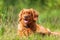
27,10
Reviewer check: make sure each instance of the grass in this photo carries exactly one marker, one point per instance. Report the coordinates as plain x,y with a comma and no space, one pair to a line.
49,19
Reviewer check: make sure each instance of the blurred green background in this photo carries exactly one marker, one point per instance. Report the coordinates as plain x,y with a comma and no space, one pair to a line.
49,17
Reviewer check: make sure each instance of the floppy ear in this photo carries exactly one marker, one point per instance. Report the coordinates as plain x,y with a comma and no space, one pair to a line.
35,14
20,15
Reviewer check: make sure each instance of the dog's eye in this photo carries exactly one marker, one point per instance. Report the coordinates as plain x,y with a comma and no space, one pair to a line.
36,15
28,13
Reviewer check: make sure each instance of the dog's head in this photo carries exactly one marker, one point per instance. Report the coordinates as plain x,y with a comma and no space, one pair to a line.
28,15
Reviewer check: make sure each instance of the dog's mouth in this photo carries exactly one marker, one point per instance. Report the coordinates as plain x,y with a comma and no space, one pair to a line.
26,20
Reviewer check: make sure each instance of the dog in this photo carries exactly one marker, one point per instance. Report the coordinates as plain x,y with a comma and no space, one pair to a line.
27,24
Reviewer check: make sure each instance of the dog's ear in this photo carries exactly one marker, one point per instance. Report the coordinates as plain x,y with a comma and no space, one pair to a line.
35,14
20,15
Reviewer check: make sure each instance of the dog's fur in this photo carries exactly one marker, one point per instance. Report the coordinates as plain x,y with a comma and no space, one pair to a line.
27,23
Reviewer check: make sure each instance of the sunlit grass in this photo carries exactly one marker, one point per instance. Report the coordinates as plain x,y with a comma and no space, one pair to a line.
49,19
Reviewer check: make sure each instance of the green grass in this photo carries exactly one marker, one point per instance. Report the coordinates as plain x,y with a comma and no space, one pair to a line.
49,19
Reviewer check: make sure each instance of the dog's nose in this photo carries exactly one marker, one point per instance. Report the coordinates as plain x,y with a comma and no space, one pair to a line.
26,16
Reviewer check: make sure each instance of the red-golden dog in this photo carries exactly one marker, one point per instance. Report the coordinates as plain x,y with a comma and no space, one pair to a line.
27,24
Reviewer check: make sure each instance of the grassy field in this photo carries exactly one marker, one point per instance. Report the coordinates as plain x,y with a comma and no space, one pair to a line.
49,19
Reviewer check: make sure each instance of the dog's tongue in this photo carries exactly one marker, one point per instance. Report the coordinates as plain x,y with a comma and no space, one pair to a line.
25,21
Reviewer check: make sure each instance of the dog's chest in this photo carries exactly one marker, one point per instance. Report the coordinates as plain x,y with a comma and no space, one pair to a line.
27,31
